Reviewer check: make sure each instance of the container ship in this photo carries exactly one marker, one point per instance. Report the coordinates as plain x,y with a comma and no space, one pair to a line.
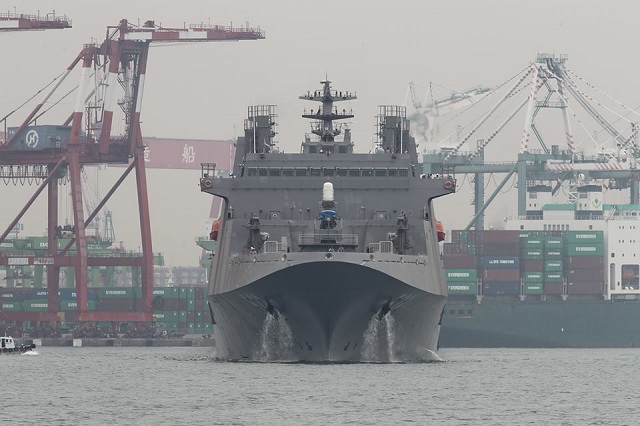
326,254
566,275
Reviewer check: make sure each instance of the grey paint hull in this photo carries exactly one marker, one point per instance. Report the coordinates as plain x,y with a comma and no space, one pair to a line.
330,310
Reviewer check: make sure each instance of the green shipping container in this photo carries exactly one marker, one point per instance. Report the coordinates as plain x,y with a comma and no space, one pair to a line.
584,237
553,254
532,254
585,250
35,305
455,275
167,316
116,292
533,288
469,288
553,277
532,277
11,307
553,265
531,243
168,292
553,243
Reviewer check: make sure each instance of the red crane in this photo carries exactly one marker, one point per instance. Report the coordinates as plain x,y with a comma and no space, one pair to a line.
110,91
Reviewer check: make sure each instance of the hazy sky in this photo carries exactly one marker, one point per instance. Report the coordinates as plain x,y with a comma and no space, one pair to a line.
375,49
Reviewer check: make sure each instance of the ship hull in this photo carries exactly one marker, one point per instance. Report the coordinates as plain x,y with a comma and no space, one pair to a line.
574,323
327,311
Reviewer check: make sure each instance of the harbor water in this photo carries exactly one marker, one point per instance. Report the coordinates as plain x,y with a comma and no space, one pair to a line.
169,386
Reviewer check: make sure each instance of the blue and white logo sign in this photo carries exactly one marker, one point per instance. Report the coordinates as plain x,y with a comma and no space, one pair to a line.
32,139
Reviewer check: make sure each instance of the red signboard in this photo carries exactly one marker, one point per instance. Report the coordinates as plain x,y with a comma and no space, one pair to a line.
165,153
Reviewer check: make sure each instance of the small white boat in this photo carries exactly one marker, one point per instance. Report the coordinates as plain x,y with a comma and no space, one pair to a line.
8,346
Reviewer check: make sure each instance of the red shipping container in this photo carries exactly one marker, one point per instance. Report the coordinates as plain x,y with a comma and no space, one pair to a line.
577,262
587,287
553,288
498,249
532,265
459,261
584,275
498,236
501,274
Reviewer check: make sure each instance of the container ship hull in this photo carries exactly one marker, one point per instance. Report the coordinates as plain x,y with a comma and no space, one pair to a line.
591,323
330,310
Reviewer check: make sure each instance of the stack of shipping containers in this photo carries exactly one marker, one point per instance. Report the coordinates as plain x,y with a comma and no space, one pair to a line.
584,262
180,309
530,263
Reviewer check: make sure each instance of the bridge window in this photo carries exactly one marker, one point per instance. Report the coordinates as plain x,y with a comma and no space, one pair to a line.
288,172
253,171
262,171
274,171
381,172
328,171
354,172
301,172
341,171
367,172
316,171
393,172
403,172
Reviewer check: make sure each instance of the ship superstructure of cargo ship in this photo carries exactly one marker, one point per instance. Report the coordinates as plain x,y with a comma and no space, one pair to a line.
326,254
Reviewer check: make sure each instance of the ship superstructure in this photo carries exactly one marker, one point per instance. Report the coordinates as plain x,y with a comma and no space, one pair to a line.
326,254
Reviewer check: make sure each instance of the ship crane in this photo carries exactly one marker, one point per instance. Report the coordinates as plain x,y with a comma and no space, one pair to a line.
552,87
112,70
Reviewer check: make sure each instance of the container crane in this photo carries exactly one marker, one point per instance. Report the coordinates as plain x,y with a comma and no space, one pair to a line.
551,84
110,71
21,22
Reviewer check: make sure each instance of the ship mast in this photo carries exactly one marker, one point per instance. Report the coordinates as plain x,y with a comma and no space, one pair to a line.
325,115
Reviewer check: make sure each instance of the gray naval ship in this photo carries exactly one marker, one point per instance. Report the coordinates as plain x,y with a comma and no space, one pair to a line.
326,254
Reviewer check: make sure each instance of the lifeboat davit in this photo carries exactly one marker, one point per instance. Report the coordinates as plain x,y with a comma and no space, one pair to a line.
215,228
440,230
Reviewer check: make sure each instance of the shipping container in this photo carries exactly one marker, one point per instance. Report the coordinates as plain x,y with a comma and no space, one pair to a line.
553,288
553,243
532,265
553,277
531,243
533,288
552,254
495,288
468,288
115,292
35,305
581,262
586,287
532,277
584,237
498,236
497,249
500,262
501,275
460,275
117,304
11,306
169,292
12,294
585,250
457,261
580,275
553,265
535,254
166,316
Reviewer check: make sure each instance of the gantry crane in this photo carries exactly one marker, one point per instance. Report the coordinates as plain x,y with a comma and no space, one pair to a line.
110,90
550,87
